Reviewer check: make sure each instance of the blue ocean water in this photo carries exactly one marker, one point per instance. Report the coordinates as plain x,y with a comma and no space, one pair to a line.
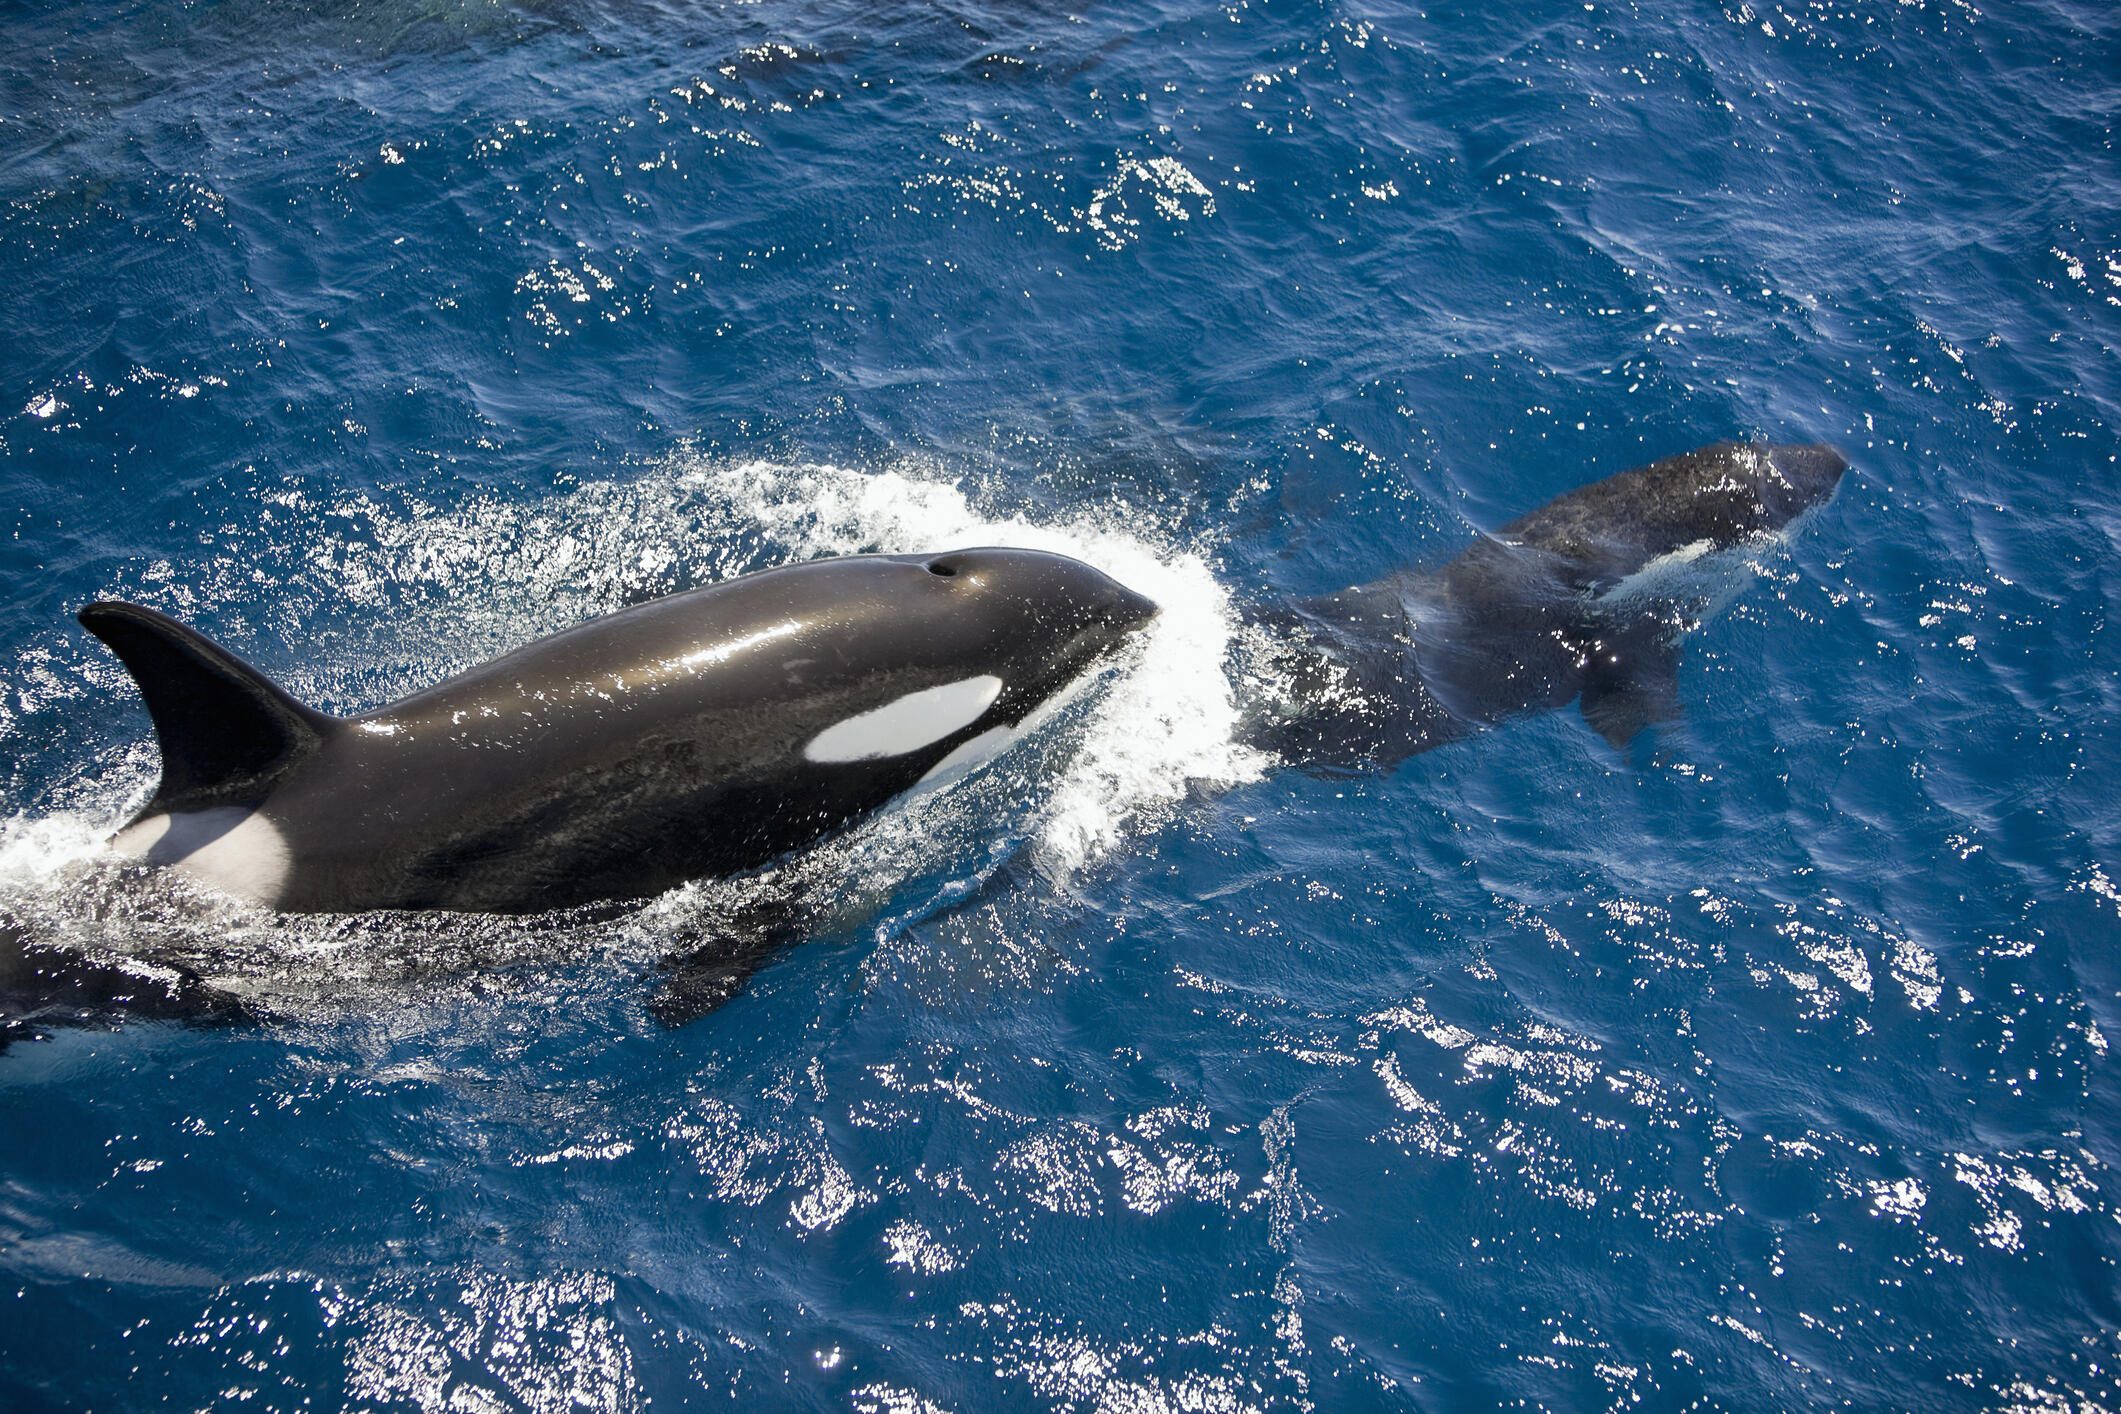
1765,1066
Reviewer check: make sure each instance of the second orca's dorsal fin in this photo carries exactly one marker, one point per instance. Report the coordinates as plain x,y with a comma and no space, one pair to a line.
227,731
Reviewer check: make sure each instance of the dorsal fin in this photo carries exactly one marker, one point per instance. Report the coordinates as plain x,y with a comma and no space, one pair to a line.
227,731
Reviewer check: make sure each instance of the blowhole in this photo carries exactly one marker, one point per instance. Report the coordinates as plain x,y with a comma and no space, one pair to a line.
945,571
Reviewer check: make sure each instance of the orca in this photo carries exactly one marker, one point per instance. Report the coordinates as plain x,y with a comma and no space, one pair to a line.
47,986
1528,619
703,734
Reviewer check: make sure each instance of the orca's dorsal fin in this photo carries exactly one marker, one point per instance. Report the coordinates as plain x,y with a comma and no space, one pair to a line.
227,731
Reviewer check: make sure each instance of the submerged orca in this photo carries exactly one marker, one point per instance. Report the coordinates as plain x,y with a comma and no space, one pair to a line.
1527,619
47,986
702,734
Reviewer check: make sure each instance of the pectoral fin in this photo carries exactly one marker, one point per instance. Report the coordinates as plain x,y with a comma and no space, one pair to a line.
725,957
704,981
1631,682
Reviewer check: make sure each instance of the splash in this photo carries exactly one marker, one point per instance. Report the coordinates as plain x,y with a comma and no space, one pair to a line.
35,850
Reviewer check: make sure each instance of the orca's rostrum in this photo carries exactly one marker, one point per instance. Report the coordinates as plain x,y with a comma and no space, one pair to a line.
702,734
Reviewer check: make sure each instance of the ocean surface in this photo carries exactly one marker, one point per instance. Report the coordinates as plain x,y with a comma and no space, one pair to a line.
1764,1065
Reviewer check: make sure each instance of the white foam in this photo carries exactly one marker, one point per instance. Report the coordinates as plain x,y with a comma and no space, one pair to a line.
33,852
1164,725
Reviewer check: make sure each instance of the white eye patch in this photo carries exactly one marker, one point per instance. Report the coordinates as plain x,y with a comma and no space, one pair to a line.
916,720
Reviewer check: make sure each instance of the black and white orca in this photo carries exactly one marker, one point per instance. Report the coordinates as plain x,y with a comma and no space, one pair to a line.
703,734
1538,615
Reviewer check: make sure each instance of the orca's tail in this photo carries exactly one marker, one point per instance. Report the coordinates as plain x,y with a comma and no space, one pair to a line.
226,730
